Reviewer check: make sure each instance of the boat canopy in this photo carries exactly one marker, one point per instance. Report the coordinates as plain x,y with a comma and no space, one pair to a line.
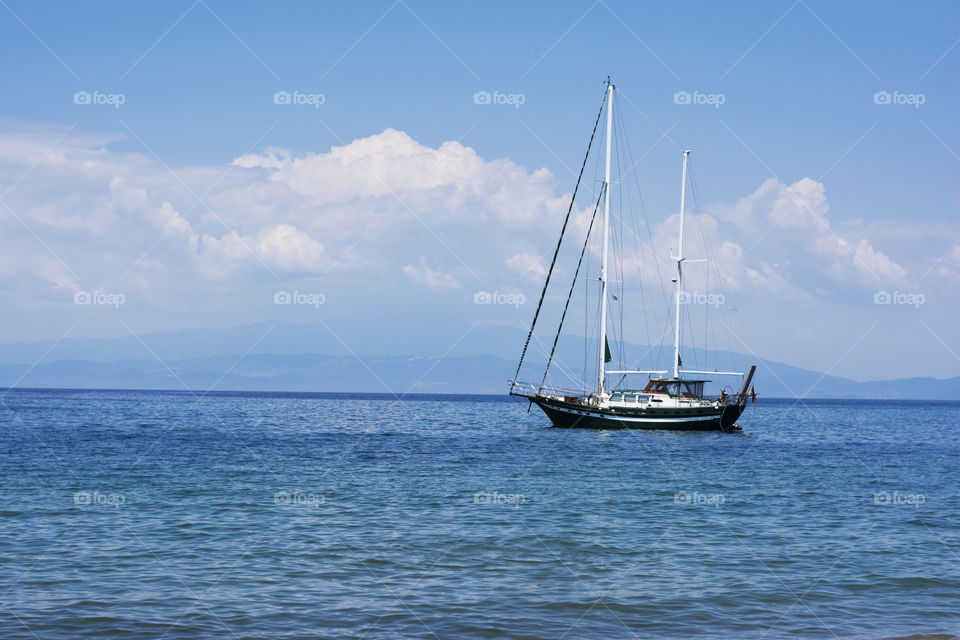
675,388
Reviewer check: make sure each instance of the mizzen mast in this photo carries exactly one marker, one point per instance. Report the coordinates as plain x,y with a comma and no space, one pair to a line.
679,259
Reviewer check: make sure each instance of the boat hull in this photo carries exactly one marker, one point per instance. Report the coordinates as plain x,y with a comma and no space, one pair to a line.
570,415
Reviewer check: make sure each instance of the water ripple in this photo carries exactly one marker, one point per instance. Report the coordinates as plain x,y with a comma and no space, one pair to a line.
148,514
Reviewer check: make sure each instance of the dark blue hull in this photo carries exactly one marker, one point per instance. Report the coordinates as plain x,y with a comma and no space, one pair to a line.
570,415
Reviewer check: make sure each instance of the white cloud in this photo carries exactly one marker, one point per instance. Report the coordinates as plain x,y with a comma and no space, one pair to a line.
874,264
433,278
382,211
289,249
375,203
403,174
948,265
281,247
527,265
172,223
790,244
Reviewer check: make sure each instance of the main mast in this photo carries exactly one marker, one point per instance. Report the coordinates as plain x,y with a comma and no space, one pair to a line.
606,241
679,259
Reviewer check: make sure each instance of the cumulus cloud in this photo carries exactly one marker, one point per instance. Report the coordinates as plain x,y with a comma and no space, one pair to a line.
413,215
381,215
451,180
792,221
527,265
170,222
280,247
777,240
423,274
948,265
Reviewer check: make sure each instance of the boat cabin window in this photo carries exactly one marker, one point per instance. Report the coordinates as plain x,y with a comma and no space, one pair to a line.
630,397
676,388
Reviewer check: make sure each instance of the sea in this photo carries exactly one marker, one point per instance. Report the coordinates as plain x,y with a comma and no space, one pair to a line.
150,514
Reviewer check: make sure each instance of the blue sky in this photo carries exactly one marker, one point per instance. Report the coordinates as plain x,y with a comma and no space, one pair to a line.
149,199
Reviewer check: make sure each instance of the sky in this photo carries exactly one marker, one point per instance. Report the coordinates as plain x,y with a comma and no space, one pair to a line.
210,164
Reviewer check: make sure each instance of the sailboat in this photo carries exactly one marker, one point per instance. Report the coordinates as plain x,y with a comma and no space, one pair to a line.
676,402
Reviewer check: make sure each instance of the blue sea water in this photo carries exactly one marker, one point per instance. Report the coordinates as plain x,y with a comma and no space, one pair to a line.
242,515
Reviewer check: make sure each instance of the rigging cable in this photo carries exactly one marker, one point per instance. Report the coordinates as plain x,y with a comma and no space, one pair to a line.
653,255
543,293
713,256
572,285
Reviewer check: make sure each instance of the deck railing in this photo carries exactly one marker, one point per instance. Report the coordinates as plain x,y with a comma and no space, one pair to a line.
730,398
528,389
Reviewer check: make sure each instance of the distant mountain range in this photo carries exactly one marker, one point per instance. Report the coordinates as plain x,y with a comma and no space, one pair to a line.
308,357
